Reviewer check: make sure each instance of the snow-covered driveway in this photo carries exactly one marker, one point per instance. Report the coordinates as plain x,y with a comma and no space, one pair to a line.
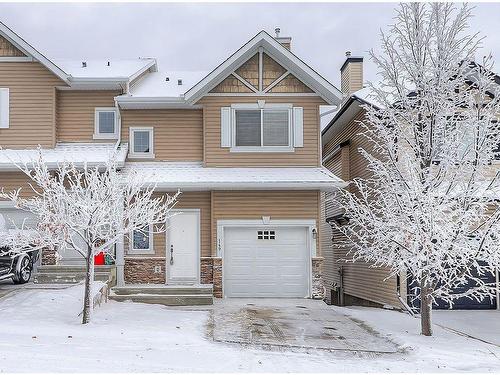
40,332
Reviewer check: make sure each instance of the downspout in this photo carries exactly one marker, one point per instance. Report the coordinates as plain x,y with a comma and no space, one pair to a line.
497,276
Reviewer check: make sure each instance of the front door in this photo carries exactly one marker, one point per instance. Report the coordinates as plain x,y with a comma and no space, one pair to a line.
183,247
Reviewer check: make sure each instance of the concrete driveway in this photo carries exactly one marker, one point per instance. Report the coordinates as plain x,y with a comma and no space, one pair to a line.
293,323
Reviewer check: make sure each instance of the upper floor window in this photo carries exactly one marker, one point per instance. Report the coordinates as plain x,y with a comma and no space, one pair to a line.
4,108
141,142
106,123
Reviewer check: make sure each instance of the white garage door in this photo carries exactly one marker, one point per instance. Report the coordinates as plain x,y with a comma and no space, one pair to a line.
15,218
266,262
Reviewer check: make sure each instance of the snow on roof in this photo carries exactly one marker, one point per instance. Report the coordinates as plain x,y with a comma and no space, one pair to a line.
99,69
156,84
193,176
93,154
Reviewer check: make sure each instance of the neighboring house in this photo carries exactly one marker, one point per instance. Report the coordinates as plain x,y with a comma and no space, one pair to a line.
242,143
341,141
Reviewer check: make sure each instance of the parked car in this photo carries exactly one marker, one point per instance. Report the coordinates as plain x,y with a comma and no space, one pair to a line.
17,266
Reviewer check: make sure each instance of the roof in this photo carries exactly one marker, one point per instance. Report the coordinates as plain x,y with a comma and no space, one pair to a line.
193,176
295,65
109,69
157,89
29,50
92,154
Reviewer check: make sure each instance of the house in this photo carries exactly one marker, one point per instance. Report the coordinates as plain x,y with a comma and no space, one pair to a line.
242,142
358,283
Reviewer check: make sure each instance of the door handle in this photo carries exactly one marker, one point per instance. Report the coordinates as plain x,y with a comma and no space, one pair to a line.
171,254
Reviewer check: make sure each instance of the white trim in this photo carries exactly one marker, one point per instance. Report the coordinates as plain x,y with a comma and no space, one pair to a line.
168,244
278,80
7,204
141,155
261,68
97,134
310,224
150,250
16,59
244,81
309,94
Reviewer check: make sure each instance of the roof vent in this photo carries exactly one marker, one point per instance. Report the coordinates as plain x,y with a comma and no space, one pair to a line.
179,82
347,53
167,79
84,64
109,64
277,31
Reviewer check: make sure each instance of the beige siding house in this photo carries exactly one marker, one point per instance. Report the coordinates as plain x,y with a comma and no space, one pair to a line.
242,142
356,282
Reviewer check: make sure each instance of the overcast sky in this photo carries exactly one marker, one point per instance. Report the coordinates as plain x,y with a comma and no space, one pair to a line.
199,36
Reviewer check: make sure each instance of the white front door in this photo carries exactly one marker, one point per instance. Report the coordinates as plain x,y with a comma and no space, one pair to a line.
183,248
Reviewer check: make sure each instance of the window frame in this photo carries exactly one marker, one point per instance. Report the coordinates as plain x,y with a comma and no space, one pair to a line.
141,155
97,134
150,250
256,107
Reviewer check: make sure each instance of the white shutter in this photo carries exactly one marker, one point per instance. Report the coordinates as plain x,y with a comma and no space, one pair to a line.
4,108
225,127
298,127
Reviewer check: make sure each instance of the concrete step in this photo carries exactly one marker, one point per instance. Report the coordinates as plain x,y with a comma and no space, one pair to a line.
166,300
164,290
71,268
67,277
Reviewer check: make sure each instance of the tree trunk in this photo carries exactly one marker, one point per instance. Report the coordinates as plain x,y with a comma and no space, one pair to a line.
89,276
426,311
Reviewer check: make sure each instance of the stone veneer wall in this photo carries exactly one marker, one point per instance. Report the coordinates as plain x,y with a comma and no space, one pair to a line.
49,257
318,290
142,270
211,273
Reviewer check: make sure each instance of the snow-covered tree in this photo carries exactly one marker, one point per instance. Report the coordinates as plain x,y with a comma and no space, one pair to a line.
428,210
89,209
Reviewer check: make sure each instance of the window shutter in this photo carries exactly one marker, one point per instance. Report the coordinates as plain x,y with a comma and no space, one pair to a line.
4,108
298,127
225,127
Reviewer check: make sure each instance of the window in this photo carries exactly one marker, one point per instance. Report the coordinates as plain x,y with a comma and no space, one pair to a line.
105,123
142,241
266,235
265,129
141,143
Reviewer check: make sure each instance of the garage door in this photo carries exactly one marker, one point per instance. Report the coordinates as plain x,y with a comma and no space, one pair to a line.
15,218
266,262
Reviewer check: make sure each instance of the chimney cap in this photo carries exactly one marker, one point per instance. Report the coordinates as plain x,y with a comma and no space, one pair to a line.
351,59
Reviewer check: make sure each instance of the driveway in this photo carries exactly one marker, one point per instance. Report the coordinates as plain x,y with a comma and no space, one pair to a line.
293,323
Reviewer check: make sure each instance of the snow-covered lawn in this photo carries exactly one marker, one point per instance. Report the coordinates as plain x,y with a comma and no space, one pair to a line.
40,332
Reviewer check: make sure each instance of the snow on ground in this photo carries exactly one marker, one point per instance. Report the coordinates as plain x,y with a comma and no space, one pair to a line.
40,331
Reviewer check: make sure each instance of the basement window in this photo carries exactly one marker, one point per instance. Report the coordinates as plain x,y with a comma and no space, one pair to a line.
105,123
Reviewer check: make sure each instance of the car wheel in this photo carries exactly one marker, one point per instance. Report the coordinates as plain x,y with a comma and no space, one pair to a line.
23,270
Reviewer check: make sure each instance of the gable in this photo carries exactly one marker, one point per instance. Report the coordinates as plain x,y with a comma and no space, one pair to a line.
7,49
260,65
247,78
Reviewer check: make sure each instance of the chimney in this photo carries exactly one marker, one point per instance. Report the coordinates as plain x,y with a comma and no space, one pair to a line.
351,74
285,41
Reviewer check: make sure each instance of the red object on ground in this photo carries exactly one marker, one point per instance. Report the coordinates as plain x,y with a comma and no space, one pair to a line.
99,259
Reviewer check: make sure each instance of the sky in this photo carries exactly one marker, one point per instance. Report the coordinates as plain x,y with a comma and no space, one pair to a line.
199,36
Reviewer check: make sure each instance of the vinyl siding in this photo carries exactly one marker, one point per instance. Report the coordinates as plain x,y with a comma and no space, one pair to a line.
32,105
252,205
10,181
200,200
178,133
360,280
76,113
222,157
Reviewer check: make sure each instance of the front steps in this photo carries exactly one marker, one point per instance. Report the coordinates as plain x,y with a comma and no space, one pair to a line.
69,274
167,295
